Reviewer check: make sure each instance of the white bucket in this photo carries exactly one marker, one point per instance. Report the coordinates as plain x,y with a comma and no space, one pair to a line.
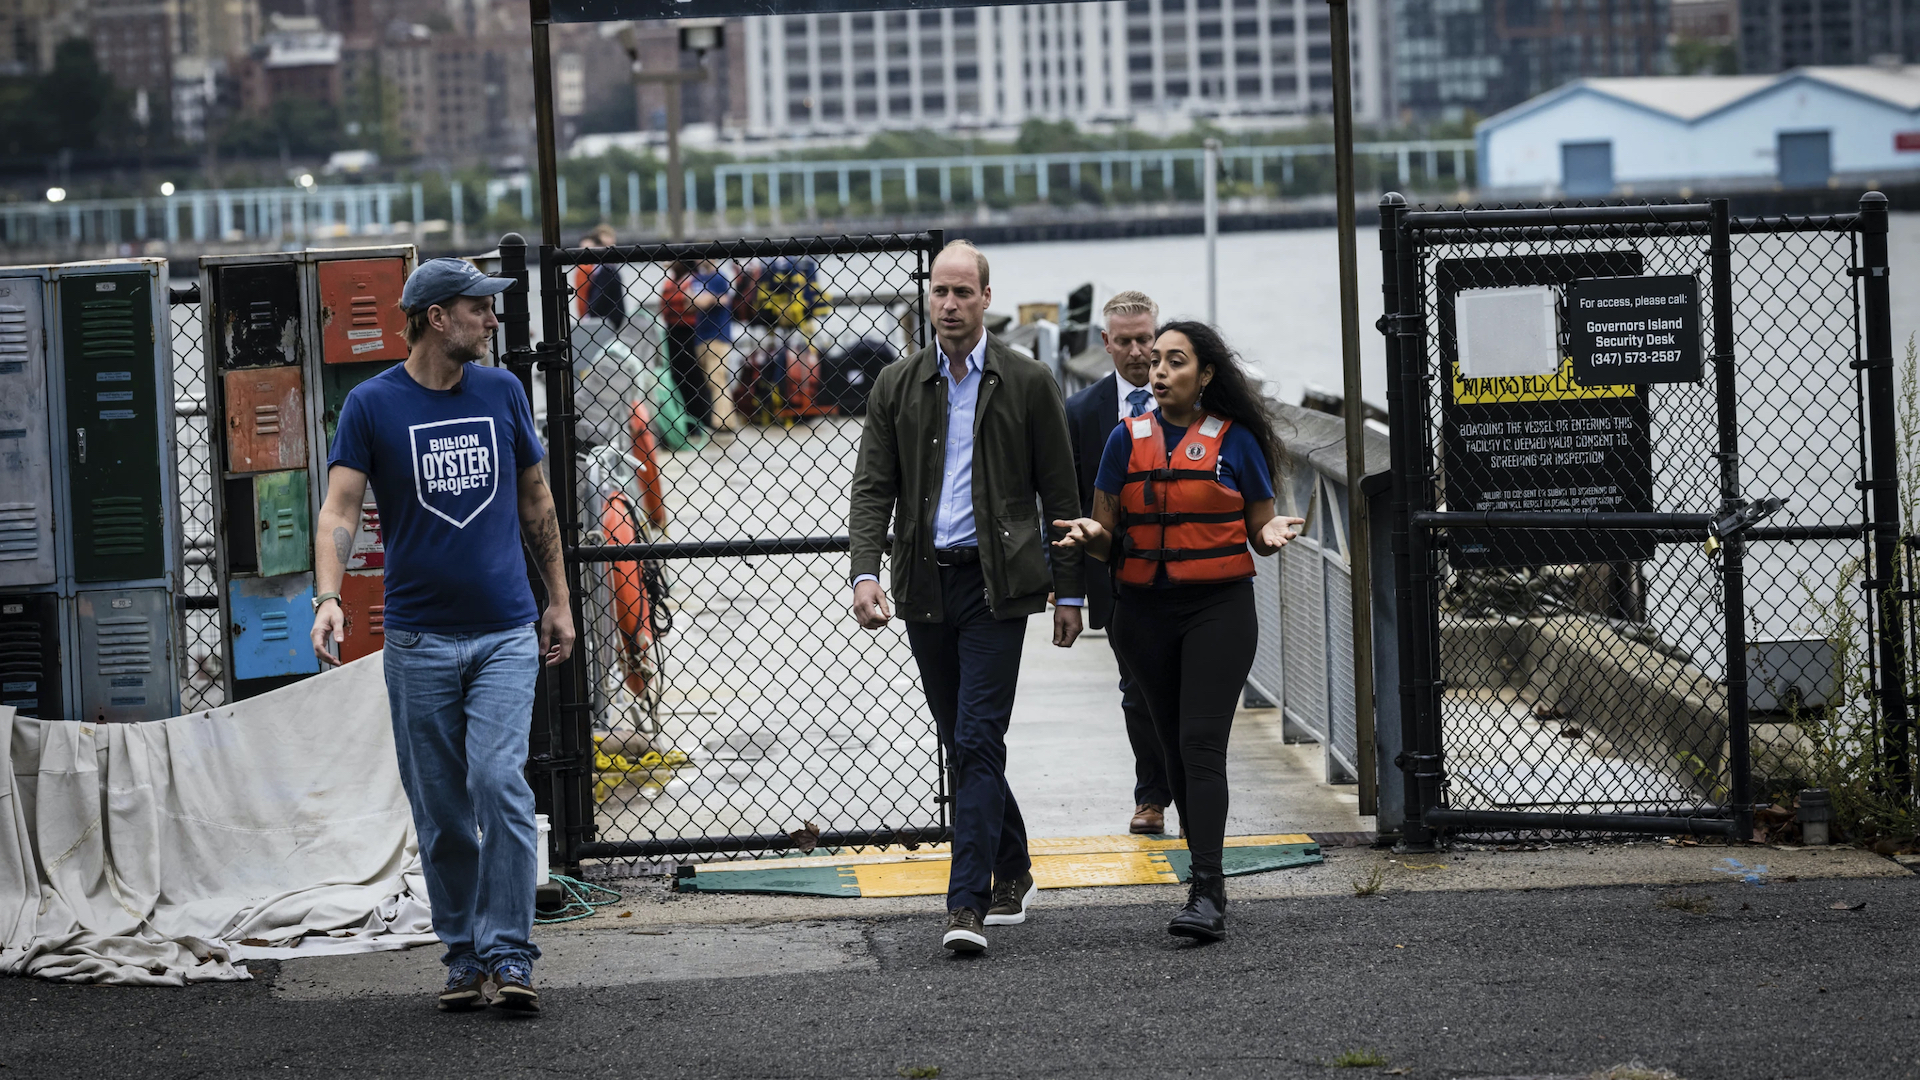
542,832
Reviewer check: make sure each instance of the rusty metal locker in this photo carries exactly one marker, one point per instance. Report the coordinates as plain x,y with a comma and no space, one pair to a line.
283,533
369,541
255,315
360,316
126,655
363,603
31,677
271,618
266,420
26,451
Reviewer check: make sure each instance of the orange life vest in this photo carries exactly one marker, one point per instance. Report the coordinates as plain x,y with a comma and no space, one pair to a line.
1175,512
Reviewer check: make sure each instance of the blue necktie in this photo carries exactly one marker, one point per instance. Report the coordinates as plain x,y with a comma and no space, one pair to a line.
1138,399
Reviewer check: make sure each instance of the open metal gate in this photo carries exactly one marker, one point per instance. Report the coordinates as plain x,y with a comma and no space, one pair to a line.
703,411
1622,603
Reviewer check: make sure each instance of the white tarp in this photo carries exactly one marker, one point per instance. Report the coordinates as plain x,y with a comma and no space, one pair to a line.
148,853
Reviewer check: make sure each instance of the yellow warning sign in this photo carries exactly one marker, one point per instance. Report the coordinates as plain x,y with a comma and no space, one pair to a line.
1513,389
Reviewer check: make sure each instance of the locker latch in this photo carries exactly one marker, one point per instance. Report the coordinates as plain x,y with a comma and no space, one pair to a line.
83,444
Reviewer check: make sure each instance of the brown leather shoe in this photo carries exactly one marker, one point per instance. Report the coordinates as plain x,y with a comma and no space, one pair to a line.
1148,818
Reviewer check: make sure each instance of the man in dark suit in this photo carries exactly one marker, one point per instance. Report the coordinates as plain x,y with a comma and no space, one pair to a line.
1092,414
965,453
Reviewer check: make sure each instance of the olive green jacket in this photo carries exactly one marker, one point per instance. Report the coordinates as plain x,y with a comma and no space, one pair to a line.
1022,465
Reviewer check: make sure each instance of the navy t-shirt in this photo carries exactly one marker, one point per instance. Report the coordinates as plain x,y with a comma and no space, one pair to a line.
1241,466
445,468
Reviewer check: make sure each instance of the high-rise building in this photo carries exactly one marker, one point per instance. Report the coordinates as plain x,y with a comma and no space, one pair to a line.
1114,60
453,95
1452,58
1779,34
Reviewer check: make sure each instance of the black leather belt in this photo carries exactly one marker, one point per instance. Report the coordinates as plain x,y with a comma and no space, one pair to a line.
959,556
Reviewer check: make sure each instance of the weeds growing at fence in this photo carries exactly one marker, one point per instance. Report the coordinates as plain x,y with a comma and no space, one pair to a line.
1369,883
1845,748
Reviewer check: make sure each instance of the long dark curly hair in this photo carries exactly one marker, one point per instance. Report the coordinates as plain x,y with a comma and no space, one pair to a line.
1231,394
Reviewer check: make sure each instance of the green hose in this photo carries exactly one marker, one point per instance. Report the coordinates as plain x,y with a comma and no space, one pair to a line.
580,903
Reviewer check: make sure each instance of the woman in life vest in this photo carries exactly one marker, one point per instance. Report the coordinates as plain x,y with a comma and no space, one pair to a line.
1180,495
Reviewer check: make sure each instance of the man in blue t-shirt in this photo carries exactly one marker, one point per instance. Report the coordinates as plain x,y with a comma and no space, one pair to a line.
451,452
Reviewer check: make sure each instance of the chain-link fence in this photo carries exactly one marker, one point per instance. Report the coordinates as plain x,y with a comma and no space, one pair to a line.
201,653
1609,623
718,392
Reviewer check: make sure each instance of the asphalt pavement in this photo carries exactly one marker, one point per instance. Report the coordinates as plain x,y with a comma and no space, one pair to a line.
1793,977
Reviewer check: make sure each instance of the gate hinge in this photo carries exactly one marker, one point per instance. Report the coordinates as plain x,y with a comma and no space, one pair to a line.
1866,271
1886,483
1402,325
547,356
1885,364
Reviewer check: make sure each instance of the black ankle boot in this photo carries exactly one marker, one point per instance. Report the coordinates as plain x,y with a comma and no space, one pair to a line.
1205,916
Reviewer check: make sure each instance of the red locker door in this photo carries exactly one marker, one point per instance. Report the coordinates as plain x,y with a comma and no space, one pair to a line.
360,316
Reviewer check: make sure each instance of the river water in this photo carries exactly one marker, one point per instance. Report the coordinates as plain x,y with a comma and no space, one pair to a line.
1279,292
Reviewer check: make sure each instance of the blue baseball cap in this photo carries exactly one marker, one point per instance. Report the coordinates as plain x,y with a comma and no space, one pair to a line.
437,281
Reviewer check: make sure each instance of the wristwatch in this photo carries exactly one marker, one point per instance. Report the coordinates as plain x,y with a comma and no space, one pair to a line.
323,598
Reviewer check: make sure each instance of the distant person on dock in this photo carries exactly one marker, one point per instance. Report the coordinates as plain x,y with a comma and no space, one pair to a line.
450,448
1092,414
712,294
1185,489
606,294
680,306
962,440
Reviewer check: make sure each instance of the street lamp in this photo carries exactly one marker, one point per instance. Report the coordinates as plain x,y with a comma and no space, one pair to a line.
56,194
306,180
699,36
166,187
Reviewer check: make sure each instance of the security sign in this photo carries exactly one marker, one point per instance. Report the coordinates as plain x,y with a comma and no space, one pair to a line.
456,467
1623,331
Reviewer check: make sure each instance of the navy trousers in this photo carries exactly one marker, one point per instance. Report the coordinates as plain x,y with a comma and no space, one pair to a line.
969,664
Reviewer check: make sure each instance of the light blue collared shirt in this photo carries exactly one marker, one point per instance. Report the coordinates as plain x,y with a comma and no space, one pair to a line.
953,524
953,517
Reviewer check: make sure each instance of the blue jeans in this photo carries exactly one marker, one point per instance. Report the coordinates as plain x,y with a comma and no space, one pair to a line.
462,705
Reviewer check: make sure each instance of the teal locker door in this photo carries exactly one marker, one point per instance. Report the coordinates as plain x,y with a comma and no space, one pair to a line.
283,531
113,420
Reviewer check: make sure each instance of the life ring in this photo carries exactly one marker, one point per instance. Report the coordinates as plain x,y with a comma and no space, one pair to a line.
632,612
653,497
582,280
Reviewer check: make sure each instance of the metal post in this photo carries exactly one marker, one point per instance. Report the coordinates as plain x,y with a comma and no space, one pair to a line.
606,197
561,687
561,184
1210,212
676,199
1353,409
1733,553
633,202
419,211
1414,611
457,195
661,199
1883,437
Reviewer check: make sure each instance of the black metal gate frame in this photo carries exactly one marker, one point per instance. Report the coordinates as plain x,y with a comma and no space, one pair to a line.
1403,232
560,761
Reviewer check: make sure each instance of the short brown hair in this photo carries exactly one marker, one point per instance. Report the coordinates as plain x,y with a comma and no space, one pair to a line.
416,325
1132,302
979,260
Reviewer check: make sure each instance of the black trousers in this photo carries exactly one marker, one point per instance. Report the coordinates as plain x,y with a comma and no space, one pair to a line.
1149,761
1190,649
970,663
683,356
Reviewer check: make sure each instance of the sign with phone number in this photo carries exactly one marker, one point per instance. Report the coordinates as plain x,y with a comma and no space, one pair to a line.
1629,330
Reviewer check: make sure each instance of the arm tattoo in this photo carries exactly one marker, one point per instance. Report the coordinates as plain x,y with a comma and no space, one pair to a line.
543,536
342,543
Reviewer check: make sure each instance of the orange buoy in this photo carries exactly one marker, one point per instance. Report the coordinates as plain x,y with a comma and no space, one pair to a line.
653,498
632,613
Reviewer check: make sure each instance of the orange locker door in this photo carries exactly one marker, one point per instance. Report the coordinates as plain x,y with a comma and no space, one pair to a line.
266,420
363,601
360,316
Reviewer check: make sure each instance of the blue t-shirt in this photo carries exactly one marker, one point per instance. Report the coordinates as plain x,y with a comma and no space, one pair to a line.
445,468
716,322
1241,466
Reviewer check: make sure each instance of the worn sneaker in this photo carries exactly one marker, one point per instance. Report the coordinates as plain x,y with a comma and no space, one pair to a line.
465,977
963,932
1011,899
513,986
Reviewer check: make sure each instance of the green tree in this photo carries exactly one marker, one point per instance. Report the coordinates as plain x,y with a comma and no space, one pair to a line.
75,106
1698,56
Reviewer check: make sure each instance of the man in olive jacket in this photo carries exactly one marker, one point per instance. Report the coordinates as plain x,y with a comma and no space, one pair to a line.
966,453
